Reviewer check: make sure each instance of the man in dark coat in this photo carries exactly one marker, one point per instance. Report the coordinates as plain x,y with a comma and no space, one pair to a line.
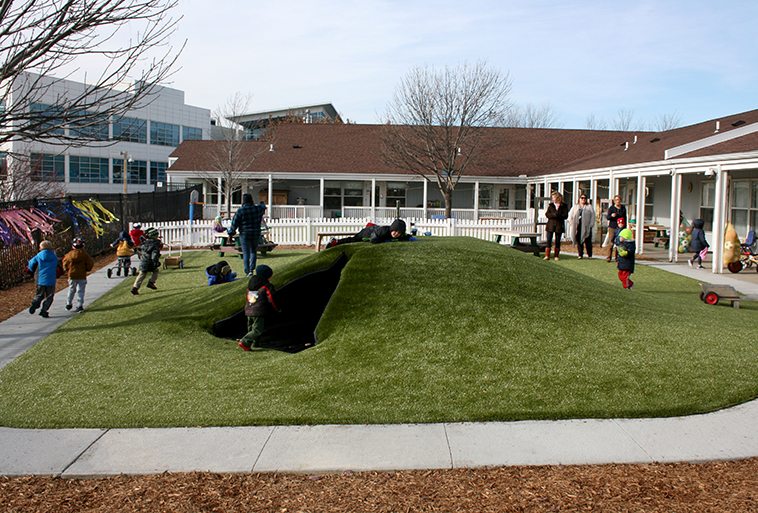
247,221
375,234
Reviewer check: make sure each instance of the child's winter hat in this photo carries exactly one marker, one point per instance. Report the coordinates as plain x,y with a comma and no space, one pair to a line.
398,225
264,272
626,234
226,270
152,233
77,243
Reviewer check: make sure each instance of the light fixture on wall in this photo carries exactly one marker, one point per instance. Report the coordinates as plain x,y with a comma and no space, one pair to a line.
710,171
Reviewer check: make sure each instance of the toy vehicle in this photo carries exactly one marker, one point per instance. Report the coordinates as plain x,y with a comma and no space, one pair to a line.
174,261
711,294
115,270
748,255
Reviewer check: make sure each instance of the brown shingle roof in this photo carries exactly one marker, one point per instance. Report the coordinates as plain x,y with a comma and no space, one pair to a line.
325,149
652,147
358,149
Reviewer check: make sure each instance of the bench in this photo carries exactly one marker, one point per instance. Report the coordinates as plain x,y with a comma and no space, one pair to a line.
533,246
712,293
322,235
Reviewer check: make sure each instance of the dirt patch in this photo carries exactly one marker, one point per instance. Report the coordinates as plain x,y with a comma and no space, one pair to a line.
707,487
18,298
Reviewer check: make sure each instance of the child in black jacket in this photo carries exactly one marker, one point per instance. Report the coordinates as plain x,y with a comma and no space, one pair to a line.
698,243
259,305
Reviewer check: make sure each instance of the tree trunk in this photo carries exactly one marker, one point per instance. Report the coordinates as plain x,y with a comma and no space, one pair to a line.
228,203
448,194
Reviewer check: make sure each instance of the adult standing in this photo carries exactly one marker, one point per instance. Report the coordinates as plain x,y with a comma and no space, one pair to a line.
557,213
248,221
581,226
616,221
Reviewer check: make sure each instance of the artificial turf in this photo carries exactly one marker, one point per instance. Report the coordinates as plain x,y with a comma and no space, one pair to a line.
443,329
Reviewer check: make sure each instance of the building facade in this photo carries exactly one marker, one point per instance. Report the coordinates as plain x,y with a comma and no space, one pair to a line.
140,141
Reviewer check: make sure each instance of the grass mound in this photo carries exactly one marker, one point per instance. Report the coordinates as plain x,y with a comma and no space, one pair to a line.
438,330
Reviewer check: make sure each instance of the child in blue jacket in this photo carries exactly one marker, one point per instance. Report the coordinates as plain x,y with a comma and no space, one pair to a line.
45,263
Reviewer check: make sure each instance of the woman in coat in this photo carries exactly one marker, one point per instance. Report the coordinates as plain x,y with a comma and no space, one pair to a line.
581,225
556,213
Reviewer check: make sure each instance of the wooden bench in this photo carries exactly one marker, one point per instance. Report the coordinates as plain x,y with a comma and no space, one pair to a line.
534,246
712,293
322,235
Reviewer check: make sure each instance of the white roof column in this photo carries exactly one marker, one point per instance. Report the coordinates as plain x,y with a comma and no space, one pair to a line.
476,200
719,218
373,199
640,214
321,196
676,200
218,199
270,193
426,195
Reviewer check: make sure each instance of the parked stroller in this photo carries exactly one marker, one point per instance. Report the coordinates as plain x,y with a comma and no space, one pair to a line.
748,254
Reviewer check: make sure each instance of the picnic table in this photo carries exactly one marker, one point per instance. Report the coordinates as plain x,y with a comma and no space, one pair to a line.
514,238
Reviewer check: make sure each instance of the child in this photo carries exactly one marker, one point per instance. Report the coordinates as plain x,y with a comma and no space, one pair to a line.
77,263
375,234
136,234
625,257
45,263
699,246
220,273
217,226
259,305
150,261
124,251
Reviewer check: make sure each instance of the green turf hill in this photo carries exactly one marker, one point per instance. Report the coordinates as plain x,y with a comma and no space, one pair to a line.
443,329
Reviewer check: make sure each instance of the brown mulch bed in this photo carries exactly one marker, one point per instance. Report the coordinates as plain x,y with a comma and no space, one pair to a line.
18,298
706,487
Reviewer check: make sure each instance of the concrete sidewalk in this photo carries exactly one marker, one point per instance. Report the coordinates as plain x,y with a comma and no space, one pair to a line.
727,434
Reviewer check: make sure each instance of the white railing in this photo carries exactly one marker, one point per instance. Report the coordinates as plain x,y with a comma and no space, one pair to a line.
315,212
303,232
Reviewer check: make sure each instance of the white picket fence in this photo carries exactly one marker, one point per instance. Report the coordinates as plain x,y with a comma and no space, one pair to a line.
303,232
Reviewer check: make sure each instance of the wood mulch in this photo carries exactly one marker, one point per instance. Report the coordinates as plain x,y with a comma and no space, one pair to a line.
706,487
730,486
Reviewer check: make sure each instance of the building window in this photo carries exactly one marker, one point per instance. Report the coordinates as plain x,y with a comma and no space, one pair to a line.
3,165
707,192
46,118
158,172
190,133
744,206
130,129
87,169
136,171
47,168
395,194
520,197
164,134
649,202
352,194
485,196
89,125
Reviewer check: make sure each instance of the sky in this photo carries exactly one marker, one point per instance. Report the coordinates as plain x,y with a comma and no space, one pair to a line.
693,59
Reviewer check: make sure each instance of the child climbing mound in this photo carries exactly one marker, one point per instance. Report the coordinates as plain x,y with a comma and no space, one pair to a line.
625,257
259,305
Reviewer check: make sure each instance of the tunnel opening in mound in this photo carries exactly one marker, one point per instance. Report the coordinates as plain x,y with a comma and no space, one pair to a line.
302,302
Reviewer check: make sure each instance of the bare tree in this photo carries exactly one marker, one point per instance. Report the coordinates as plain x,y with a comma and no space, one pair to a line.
532,116
43,38
666,122
624,120
21,179
231,156
433,121
592,122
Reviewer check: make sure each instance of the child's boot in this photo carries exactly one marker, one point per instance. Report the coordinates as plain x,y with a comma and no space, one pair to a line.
547,253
